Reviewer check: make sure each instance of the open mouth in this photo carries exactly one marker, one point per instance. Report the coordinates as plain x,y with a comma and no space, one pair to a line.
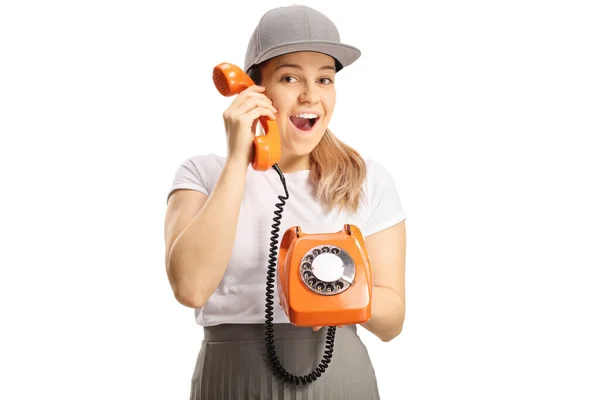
304,122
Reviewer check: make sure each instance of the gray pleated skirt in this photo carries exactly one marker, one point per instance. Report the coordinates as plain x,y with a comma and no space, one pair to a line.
233,365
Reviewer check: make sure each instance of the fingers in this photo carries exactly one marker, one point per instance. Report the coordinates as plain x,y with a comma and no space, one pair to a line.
248,107
254,88
247,120
318,328
253,100
255,113
249,98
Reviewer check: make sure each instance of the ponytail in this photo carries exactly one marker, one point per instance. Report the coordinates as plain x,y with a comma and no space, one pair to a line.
338,172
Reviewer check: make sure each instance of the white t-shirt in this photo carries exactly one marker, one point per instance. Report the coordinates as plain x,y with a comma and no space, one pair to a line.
240,297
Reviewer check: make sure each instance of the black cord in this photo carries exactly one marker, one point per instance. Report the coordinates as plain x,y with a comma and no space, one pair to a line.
269,336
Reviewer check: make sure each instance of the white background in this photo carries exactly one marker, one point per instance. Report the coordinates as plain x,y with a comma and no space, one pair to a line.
487,114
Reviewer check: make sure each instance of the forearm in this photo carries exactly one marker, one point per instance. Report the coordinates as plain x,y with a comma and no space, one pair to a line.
199,255
387,314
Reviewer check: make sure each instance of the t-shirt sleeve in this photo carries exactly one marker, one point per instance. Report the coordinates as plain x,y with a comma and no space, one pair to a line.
385,207
191,174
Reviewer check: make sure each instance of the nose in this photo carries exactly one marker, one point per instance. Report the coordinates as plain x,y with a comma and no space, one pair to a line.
310,94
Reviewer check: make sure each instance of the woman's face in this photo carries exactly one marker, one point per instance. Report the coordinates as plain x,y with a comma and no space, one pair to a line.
301,87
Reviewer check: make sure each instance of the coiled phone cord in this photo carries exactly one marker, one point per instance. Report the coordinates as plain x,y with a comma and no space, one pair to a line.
269,336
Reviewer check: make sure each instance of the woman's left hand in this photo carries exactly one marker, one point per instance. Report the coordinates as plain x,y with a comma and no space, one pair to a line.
318,328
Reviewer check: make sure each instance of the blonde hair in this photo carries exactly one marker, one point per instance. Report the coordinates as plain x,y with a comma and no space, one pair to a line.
336,170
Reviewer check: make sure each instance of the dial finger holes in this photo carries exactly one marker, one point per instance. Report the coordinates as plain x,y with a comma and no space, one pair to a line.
325,270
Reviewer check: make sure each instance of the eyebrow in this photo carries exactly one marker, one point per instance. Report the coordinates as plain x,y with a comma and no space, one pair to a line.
296,66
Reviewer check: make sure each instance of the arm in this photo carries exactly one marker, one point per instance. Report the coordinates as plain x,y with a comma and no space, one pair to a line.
387,250
199,235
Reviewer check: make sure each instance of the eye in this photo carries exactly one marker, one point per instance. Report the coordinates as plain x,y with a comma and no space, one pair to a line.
288,79
326,81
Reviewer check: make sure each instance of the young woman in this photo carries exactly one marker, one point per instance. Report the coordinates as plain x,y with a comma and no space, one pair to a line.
219,223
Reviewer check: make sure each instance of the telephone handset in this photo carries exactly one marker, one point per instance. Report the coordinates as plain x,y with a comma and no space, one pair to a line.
323,279
229,79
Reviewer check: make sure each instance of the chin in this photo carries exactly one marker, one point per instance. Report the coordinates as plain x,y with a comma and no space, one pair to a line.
302,145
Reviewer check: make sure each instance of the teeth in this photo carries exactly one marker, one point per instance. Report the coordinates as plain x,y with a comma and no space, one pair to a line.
309,116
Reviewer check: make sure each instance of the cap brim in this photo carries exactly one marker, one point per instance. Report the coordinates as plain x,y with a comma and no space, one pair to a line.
343,53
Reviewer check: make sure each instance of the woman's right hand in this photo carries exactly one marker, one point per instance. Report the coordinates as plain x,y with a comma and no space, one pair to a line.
240,121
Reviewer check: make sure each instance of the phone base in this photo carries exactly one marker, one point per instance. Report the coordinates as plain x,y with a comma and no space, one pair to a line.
324,278
311,319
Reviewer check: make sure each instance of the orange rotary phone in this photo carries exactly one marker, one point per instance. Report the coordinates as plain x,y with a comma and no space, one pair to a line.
323,279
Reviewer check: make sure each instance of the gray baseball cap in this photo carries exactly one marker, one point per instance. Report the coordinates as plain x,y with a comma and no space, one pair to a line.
295,28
